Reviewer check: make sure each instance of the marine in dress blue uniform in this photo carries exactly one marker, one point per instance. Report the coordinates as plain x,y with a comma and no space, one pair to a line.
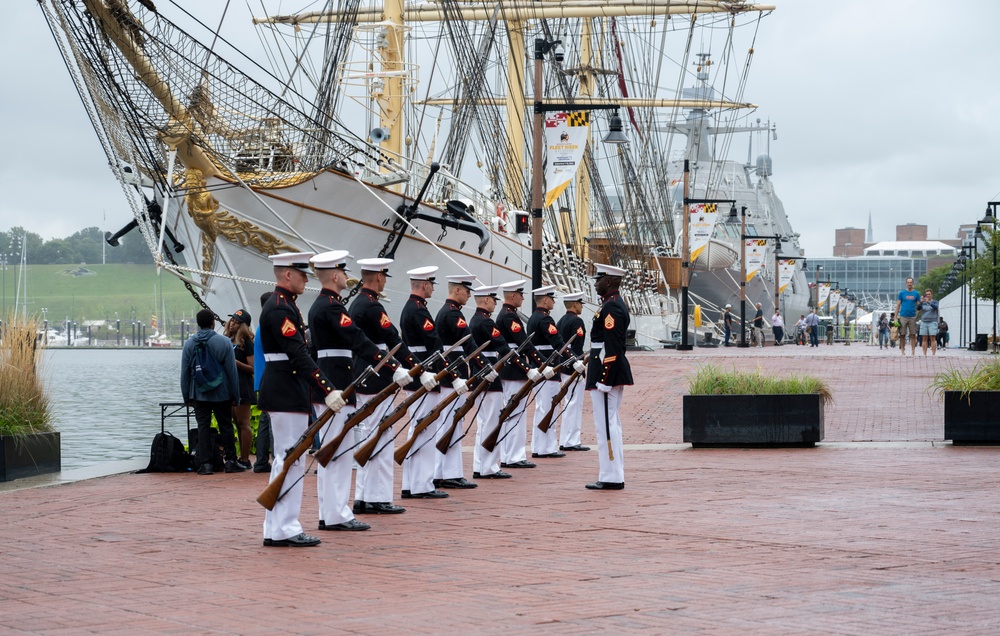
571,324
486,464
547,341
289,376
451,323
607,374
373,482
513,376
420,333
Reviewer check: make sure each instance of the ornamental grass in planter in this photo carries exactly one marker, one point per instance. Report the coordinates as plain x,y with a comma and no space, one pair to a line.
28,443
750,408
971,403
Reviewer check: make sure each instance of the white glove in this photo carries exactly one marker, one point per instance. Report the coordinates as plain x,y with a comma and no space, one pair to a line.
401,376
461,386
549,372
534,375
603,388
335,400
491,376
579,368
427,379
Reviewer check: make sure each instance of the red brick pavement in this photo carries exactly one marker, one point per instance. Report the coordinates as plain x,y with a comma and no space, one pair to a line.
844,539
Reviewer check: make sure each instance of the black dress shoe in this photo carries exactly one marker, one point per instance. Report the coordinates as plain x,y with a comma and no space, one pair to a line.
497,475
576,447
384,508
460,482
353,524
434,494
548,455
262,468
606,485
301,540
359,507
521,464
205,469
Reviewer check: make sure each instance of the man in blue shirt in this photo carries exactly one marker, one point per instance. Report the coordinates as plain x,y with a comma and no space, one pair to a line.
906,309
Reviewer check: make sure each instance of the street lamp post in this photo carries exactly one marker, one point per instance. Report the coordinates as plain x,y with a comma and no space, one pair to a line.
614,136
991,218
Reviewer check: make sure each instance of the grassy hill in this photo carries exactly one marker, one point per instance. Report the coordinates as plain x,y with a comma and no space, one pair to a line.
97,292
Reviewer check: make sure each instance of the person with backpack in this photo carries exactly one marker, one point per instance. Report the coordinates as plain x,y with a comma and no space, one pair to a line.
210,383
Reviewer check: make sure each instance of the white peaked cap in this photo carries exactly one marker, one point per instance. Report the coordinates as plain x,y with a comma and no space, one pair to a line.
380,265
334,259
423,273
608,270
547,290
513,286
575,297
298,260
462,279
486,290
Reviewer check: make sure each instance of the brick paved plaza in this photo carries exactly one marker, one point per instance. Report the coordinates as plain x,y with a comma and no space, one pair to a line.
883,529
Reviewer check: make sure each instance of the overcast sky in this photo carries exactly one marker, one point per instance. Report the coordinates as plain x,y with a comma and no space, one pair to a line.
887,107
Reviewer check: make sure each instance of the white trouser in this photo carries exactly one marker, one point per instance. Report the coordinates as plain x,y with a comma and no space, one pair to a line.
449,465
547,442
283,521
333,481
612,470
514,431
572,415
373,481
483,461
418,468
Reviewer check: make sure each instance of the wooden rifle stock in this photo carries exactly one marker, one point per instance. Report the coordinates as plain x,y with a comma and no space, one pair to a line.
444,443
490,441
272,493
546,422
422,425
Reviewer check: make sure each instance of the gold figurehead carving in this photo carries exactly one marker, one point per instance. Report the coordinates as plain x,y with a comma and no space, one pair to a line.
205,212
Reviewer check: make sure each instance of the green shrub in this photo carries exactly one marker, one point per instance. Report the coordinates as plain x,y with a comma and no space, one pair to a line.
24,407
985,376
713,380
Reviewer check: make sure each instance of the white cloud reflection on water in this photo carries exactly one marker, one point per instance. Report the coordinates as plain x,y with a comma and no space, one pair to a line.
105,402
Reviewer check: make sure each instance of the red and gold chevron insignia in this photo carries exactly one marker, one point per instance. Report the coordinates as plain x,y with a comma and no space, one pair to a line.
384,321
288,328
428,325
552,330
515,327
579,332
609,322
610,359
496,333
345,320
461,323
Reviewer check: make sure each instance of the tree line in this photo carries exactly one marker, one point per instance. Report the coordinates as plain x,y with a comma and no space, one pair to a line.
81,248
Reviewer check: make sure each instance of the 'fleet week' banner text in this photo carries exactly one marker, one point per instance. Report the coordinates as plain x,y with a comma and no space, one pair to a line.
756,251
786,269
565,140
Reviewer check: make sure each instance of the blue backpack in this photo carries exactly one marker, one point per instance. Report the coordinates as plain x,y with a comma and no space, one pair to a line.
206,371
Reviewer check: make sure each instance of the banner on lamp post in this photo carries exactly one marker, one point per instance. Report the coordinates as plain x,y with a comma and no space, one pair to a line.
823,292
701,226
756,253
834,300
786,269
565,141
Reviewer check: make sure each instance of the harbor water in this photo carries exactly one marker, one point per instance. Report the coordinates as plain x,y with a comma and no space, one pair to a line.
105,402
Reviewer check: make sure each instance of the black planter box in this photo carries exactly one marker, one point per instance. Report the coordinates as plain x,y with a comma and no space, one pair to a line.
29,455
973,418
753,420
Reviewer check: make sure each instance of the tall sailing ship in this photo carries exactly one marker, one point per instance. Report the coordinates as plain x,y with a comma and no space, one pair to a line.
402,130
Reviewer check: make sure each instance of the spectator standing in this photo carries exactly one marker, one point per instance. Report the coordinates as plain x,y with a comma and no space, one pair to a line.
883,332
778,327
942,334
812,326
893,330
906,309
218,400
264,445
238,331
800,330
928,321
758,325
727,322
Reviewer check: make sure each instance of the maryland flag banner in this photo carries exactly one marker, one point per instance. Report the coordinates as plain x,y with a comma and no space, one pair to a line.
565,141
822,293
786,269
834,300
701,226
756,252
